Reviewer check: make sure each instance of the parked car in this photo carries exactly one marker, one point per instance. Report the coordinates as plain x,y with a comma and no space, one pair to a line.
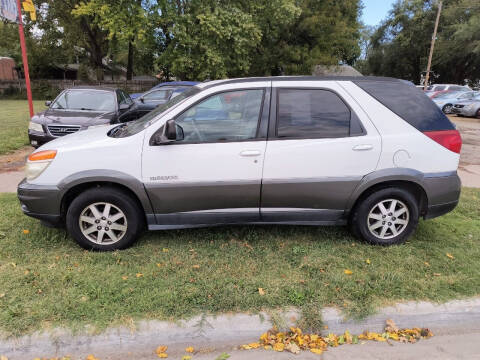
437,89
169,87
469,108
273,150
447,100
79,108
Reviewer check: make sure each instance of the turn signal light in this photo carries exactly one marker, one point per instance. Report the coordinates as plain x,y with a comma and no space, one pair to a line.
43,155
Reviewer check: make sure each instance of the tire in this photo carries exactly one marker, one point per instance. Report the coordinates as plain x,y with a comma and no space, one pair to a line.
116,218
369,219
447,109
477,114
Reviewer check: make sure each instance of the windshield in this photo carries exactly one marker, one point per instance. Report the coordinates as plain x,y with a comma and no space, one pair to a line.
145,121
92,100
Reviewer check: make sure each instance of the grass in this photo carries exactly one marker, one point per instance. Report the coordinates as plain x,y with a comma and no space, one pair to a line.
14,118
46,280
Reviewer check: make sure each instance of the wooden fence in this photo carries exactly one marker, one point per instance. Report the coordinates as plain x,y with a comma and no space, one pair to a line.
130,86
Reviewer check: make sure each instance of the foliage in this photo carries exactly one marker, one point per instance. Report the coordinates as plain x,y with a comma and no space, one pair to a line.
400,45
48,281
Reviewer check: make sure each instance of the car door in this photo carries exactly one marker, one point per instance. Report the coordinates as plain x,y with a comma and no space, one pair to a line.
320,145
212,175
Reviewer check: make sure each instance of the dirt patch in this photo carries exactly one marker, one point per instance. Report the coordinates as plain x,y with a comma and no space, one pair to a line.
15,161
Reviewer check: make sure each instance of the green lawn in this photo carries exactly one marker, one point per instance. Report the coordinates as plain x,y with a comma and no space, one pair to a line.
14,117
46,280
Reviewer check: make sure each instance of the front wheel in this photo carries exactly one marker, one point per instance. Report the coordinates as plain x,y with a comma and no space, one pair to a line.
104,219
447,109
386,217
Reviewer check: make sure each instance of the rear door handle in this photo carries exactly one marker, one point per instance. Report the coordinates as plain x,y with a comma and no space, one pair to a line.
250,153
363,147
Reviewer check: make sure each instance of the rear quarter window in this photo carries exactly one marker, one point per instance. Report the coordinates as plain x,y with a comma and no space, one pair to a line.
408,102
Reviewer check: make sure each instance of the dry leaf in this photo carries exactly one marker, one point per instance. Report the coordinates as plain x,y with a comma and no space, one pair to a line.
261,291
279,346
161,349
190,349
427,263
159,265
162,355
26,231
124,277
316,351
165,250
196,266
391,326
186,357
293,348
368,261
139,275
437,274
450,256
91,357
348,272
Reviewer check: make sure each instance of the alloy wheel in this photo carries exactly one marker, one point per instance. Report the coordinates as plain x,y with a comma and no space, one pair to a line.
388,219
103,223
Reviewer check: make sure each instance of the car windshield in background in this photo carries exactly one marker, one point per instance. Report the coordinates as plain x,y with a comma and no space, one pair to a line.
89,100
145,121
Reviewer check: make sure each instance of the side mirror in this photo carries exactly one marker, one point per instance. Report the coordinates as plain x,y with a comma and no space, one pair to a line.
48,103
142,100
124,107
169,133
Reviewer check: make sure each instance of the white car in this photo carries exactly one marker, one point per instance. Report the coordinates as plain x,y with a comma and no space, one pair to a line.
373,153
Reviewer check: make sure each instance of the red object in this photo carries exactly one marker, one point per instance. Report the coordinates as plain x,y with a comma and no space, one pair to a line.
24,58
450,139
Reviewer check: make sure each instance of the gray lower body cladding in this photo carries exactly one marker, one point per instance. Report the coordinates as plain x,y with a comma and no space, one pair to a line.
303,202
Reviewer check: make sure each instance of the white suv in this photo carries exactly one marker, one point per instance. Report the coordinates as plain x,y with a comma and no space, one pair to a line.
373,153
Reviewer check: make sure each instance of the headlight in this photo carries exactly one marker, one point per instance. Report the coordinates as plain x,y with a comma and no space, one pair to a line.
38,162
35,126
97,126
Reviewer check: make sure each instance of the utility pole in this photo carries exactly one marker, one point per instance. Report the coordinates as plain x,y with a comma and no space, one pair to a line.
427,75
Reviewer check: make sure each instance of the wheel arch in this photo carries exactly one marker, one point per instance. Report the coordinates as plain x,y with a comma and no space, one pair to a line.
409,179
75,184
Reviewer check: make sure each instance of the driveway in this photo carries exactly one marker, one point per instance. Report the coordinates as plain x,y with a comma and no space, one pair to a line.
11,165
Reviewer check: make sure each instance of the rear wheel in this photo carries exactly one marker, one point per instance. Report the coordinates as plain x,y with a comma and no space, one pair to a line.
104,219
386,217
477,114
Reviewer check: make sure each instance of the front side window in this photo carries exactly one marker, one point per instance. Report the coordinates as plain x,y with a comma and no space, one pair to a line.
229,116
88,100
311,113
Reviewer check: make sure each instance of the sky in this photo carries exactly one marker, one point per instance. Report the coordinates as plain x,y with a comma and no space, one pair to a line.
375,11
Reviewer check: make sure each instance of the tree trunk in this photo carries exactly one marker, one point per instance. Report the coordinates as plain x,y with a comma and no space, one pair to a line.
130,60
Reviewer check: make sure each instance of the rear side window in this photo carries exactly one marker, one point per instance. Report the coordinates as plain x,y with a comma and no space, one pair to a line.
311,113
408,102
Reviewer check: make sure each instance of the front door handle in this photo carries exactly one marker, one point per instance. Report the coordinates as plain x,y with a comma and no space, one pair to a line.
250,153
363,147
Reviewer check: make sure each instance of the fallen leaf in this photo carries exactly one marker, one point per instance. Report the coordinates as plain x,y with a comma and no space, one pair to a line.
26,231
91,357
261,291
161,349
450,256
159,265
293,348
2,295
165,250
368,261
348,272
427,263
316,351
162,355
190,349
437,274
391,326
124,277
186,357
196,266
139,275
279,347
3,357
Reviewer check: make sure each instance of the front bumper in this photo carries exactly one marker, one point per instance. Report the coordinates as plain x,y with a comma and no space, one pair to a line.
40,202
38,138
443,193
463,111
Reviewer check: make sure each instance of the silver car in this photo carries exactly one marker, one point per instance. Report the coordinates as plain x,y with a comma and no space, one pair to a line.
470,108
